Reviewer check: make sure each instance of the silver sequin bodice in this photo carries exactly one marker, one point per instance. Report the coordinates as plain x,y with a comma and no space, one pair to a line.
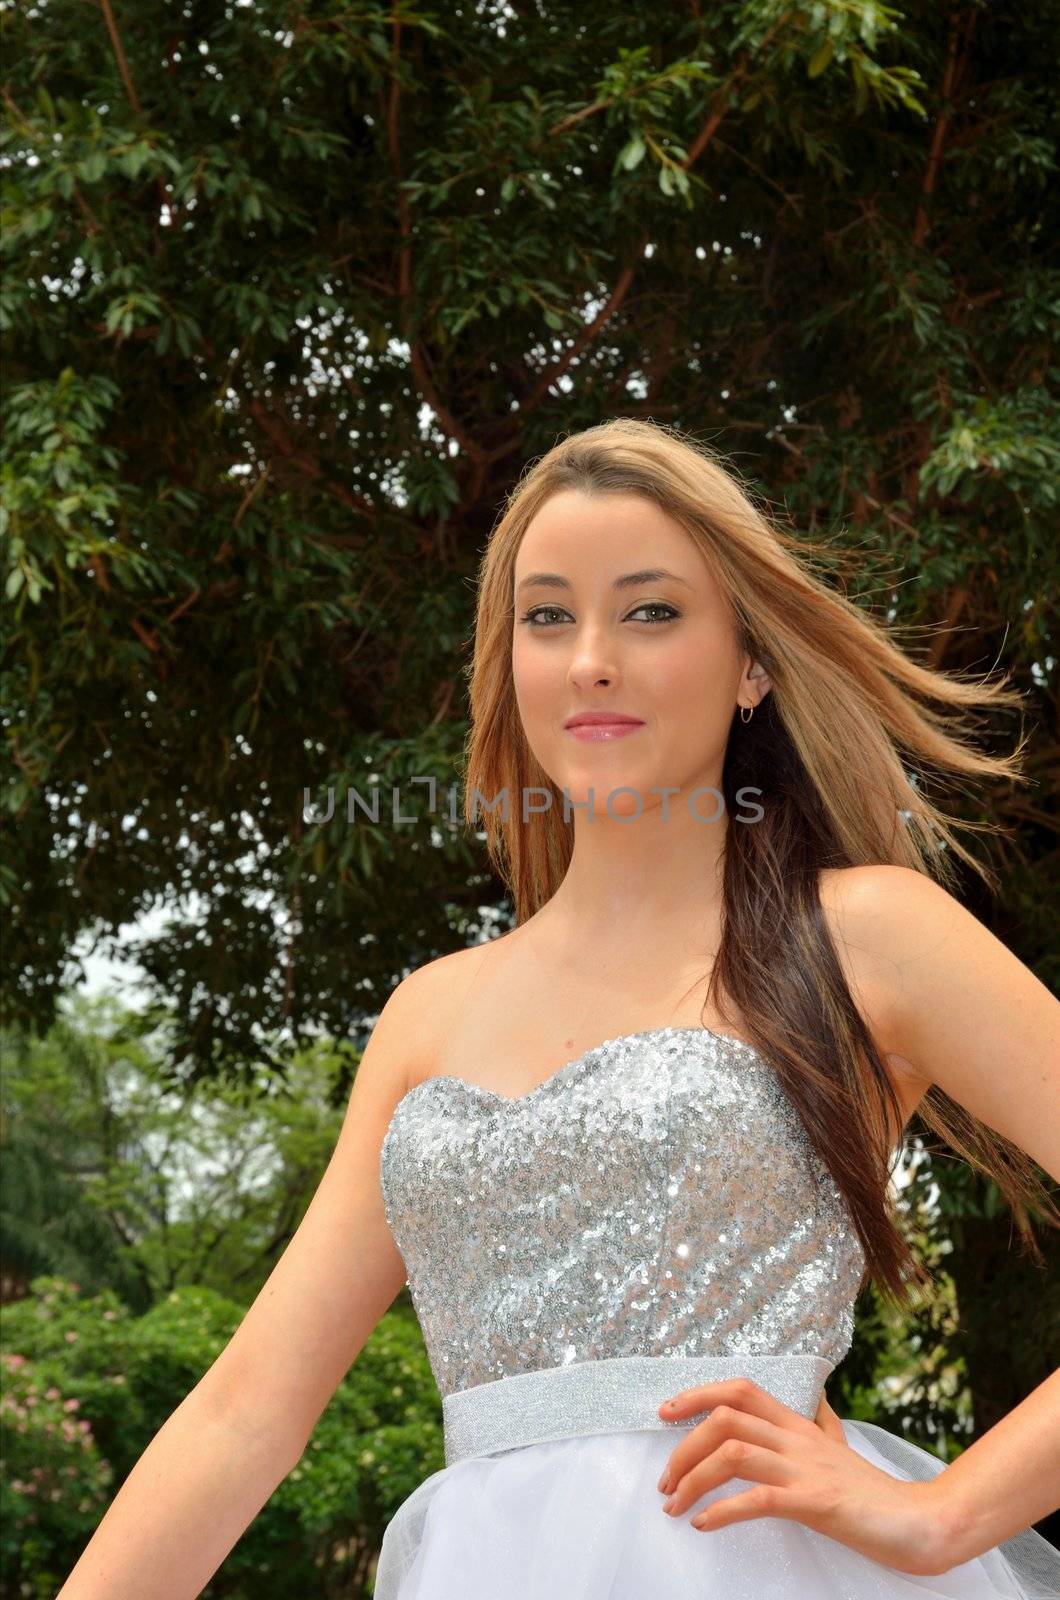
656,1196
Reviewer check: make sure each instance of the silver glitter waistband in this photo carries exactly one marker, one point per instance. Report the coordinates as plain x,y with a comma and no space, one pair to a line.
612,1395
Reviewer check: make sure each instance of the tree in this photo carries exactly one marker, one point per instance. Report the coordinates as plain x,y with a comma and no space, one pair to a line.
117,1176
292,294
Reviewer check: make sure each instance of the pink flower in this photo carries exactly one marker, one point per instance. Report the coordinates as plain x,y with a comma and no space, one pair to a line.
71,1405
70,1336
14,1362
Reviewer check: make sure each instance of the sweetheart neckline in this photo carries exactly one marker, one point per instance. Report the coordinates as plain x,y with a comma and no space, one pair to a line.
567,1069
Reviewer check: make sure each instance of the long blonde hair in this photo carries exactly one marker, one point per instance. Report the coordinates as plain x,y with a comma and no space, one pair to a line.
830,744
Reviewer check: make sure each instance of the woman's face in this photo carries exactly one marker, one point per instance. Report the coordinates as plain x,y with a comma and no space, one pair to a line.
659,646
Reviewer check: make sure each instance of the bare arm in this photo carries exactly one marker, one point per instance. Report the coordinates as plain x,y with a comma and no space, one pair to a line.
214,1463
972,1018
186,1502
964,1011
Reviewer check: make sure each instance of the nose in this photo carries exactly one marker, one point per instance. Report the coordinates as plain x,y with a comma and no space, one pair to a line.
593,660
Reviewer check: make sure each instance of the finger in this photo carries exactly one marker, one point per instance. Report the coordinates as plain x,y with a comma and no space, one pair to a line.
764,1500
725,1436
739,1393
734,1458
742,1393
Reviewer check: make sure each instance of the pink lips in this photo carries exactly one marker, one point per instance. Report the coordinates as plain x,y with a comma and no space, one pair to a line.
596,726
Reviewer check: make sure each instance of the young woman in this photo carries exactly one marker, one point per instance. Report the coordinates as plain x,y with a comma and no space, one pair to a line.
633,1157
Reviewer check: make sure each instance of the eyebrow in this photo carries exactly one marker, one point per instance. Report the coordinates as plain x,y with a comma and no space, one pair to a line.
629,580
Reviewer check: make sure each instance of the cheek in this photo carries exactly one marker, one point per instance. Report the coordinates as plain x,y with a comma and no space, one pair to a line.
693,677
537,681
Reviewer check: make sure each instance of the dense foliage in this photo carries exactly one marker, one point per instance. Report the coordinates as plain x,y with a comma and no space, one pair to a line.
87,1385
292,292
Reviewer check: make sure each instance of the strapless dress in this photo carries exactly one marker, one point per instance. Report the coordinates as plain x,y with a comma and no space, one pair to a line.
649,1218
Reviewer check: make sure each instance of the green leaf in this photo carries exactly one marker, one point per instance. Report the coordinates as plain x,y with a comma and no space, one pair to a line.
820,59
632,153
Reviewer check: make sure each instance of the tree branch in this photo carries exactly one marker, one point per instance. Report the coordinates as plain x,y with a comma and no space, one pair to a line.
956,61
576,117
614,300
274,430
119,56
404,286
956,601
715,117
420,368
450,423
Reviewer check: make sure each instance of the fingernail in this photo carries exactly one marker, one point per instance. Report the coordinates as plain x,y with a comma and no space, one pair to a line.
664,1482
668,1505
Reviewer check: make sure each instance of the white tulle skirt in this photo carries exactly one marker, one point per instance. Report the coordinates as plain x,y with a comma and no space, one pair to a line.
581,1518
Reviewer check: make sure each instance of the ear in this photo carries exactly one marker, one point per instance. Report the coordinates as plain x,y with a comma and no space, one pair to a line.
755,684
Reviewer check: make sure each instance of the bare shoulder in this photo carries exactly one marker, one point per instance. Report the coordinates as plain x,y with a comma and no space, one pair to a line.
864,902
430,999
879,909
960,1006
860,887
443,981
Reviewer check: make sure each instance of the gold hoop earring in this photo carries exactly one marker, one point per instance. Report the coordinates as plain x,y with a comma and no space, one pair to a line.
750,713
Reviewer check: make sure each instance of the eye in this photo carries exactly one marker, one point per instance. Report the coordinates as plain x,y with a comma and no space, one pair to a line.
657,605
532,616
